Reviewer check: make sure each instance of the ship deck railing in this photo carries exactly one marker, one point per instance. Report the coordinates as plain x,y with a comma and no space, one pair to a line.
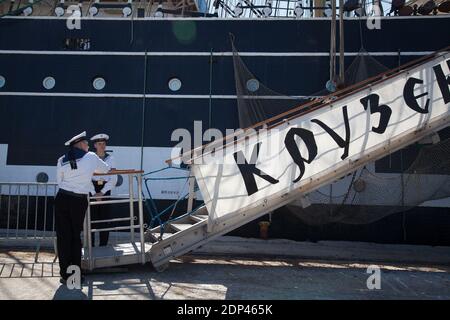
27,217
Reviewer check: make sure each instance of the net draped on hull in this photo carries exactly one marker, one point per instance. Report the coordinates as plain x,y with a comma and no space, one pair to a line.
364,196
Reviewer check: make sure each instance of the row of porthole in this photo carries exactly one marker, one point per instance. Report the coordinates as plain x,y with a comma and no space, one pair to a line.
98,83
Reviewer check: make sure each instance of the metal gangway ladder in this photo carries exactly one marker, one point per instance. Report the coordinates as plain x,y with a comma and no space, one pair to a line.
122,253
144,245
184,234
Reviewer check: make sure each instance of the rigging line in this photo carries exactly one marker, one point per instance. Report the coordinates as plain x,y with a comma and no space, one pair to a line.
19,9
179,199
338,210
359,177
333,42
88,6
361,34
210,88
132,28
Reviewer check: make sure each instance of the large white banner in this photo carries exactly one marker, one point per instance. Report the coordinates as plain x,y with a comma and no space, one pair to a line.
289,155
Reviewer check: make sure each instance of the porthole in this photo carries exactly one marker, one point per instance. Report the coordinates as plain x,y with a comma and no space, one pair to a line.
99,83
174,84
2,81
49,83
252,85
42,177
359,185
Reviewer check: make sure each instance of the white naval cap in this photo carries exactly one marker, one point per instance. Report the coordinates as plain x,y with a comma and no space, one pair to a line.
100,136
77,138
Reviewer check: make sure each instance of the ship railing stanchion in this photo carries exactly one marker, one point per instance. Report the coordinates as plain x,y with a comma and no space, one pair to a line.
141,217
191,191
130,181
89,235
85,235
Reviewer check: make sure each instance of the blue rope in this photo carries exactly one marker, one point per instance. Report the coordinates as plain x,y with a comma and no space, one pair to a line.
151,207
150,203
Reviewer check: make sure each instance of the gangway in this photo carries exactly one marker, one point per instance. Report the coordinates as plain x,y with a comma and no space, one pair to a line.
130,252
275,162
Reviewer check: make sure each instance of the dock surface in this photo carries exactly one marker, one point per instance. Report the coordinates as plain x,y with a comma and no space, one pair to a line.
238,275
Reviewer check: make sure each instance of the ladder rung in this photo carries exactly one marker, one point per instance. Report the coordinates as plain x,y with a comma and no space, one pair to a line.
199,218
181,226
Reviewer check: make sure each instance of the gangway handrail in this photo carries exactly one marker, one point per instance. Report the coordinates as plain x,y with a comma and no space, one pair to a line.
311,106
119,171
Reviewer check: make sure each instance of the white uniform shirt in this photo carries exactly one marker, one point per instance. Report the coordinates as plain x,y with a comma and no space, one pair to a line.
79,180
109,181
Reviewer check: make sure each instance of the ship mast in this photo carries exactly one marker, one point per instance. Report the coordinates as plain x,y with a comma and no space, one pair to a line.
341,81
337,81
333,44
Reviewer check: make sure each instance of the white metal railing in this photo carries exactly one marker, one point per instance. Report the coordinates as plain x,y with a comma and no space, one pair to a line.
27,213
27,210
131,198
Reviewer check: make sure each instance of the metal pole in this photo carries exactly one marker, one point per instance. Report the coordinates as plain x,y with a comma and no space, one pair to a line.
36,205
85,237
89,236
45,212
141,218
18,211
27,211
130,182
53,211
191,192
333,41
9,212
341,43
210,88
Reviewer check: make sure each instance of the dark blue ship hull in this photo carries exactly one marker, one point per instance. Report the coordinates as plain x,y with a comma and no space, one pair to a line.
138,57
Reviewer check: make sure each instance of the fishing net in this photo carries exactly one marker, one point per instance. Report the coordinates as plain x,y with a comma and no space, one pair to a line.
365,195
256,102
370,196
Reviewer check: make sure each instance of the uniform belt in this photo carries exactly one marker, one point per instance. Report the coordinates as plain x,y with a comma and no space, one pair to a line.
73,194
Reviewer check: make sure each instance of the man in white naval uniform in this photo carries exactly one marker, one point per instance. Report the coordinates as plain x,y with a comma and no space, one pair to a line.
102,186
74,177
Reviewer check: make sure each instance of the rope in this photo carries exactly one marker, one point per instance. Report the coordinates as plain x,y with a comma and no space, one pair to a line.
20,10
151,205
361,35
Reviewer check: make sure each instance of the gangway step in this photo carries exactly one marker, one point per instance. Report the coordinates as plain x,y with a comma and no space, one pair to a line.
200,217
156,235
119,254
181,226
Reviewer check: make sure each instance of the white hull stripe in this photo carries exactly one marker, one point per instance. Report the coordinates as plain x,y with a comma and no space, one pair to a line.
201,53
148,96
309,19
